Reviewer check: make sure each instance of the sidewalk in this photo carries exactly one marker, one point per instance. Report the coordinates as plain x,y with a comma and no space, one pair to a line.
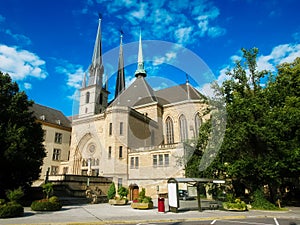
108,214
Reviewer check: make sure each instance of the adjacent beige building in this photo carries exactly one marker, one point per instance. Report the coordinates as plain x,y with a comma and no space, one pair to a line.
57,138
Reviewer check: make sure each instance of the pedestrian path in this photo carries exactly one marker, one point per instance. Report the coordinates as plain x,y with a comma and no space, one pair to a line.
108,214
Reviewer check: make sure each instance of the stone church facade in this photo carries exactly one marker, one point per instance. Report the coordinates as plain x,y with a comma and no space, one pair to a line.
137,138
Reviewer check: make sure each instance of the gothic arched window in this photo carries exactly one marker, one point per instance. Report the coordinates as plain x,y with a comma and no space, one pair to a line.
87,97
198,122
183,128
169,131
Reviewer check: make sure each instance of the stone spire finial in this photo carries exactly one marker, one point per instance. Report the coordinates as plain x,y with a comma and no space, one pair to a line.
140,67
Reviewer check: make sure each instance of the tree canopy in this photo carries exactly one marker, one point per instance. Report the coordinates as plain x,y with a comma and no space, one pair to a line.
261,145
21,138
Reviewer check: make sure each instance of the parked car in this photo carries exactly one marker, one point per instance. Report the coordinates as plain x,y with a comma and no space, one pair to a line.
184,195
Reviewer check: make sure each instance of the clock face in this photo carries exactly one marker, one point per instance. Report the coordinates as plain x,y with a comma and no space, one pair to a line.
92,148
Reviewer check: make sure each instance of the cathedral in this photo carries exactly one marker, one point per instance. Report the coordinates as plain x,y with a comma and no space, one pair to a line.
138,137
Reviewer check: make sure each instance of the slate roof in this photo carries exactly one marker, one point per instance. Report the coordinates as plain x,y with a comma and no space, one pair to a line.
50,115
140,93
178,93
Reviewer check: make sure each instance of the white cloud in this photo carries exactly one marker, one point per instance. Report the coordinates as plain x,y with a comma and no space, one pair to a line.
166,19
19,38
20,64
235,58
167,58
141,12
279,54
215,32
183,34
27,86
74,73
162,16
207,90
264,64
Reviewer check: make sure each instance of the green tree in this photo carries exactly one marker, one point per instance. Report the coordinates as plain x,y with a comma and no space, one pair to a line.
123,192
21,148
111,191
244,149
261,143
283,120
48,189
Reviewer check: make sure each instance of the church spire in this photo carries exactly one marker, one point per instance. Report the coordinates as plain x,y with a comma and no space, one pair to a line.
120,83
96,68
140,71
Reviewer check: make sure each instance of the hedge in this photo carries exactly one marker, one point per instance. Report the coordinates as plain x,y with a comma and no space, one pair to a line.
51,204
11,210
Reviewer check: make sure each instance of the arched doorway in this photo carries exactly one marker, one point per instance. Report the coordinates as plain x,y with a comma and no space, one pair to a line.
133,192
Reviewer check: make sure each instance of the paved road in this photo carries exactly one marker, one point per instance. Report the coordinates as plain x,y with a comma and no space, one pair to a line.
253,221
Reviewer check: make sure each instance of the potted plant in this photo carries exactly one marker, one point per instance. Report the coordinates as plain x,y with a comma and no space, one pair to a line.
111,194
234,204
121,199
143,201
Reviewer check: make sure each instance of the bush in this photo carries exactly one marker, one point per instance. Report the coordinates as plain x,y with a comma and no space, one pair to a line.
146,199
53,199
51,204
260,202
237,205
14,195
143,198
11,210
111,191
123,192
2,201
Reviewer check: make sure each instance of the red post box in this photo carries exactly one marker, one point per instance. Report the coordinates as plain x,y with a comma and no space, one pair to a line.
161,205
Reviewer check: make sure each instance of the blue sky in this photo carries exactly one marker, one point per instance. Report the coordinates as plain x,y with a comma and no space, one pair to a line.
46,46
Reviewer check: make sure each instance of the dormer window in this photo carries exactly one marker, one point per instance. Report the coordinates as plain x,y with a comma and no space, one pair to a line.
42,117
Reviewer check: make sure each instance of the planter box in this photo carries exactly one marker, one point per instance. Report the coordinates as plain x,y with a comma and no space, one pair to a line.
234,207
140,205
117,201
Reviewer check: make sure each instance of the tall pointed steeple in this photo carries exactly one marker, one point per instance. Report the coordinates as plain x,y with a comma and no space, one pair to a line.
93,96
96,68
120,83
140,71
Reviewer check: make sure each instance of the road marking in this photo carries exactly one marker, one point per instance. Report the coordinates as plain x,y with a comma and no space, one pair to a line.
254,223
213,222
276,222
145,224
